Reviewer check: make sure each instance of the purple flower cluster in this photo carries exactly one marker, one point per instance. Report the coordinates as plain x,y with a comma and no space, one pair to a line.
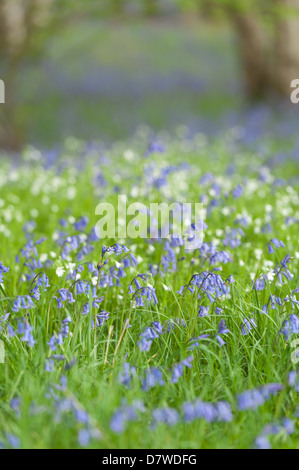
149,335
209,284
24,329
67,404
290,326
64,295
41,281
293,380
252,399
125,414
58,339
220,411
166,415
276,243
222,330
22,302
287,427
3,270
178,369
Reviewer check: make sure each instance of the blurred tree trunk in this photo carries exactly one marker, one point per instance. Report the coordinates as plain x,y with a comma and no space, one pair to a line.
151,7
118,7
18,24
9,138
270,56
255,60
287,47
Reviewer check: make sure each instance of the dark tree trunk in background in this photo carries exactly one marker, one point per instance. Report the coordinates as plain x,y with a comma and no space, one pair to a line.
270,56
287,48
9,138
118,7
151,7
11,131
254,57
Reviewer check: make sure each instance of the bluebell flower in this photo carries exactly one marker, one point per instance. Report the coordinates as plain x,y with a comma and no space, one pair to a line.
10,331
64,295
91,268
27,335
77,272
125,377
293,380
178,369
25,329
63,222
15,405
4,320
210,412
50,361
84,437
144,295
100,318
220,257
57,339
81,224
203,311
170,325
223,410
277,243
81,416
41,281
290,326
22,302
129,260
270,248
155,147
288,425
262,442
242,220
13,441
194,341
210,284
82,287
70,364
166,415
168,259
49,367
148,335
233,238
116,249
109,279
247,326
153,377
124,414
237,192
3,270
95,304
252,399
259,284
84,251
222,330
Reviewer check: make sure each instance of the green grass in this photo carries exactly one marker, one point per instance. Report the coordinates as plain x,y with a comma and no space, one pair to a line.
29,191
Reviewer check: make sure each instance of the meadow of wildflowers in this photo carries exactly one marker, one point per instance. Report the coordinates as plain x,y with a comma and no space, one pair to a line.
146,343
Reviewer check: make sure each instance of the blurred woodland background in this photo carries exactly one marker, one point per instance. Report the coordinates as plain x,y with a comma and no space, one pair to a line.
97,69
